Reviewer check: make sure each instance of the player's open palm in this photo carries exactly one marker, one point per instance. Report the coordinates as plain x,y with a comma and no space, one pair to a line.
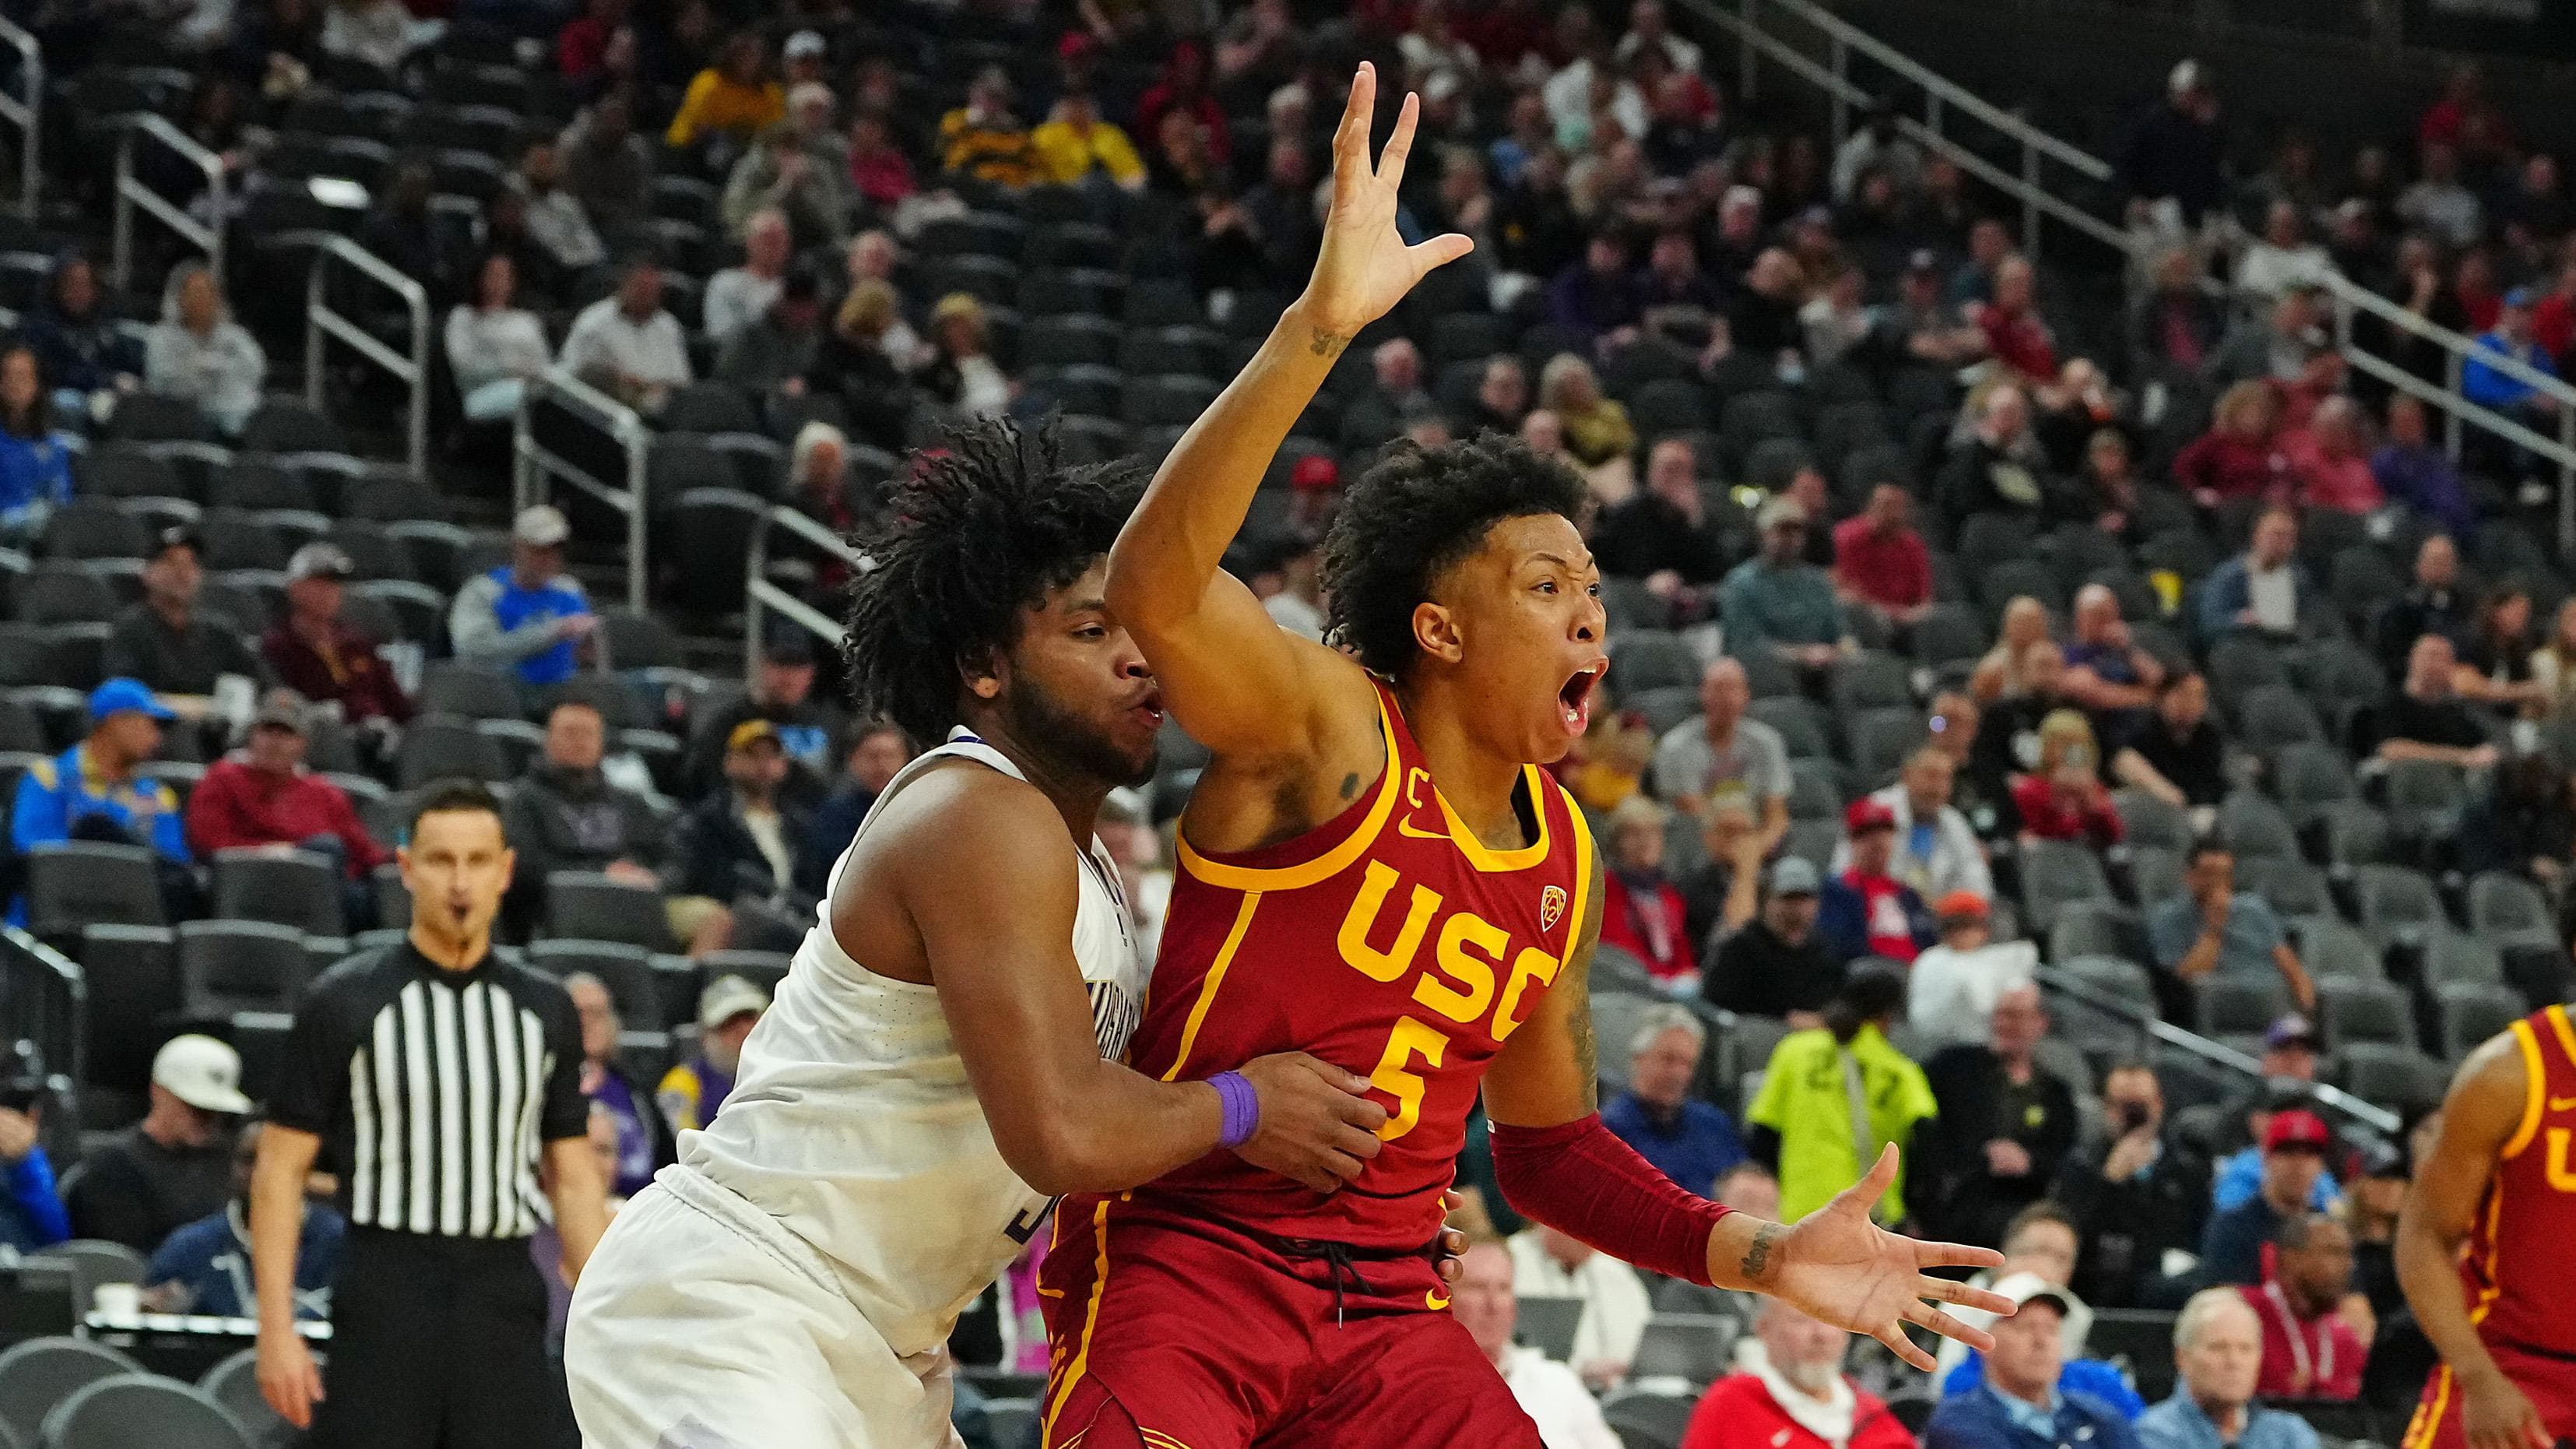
1315,1125
1838,1267
1365,268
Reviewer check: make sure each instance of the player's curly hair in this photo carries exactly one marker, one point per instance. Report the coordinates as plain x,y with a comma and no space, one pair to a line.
974,535
1416,513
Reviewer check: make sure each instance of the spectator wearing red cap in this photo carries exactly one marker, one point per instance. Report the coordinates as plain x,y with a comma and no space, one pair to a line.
2311,1349
2294,1157
1865,911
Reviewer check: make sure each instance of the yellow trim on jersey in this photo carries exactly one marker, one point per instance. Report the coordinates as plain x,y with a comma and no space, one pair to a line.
2566,1034
1323,867
1090,1319
1209,983
1484,857
1574,915
2534,1090
2428,1416
2495,1282
1157,1439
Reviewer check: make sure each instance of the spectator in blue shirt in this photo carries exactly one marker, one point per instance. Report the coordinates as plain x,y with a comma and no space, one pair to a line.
2482,383
35,462
528,616
1692,1142
2218,1349
93,790
32,1217
2020,1405
204,1266
2411,471
2294,1157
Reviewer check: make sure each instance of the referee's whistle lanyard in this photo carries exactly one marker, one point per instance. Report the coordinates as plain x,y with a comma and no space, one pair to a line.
2302,1380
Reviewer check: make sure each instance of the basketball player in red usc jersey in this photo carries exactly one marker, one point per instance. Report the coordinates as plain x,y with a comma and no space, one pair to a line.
1375,870
2483,1243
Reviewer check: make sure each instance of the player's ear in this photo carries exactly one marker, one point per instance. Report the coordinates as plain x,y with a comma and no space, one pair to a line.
984,677
1435,630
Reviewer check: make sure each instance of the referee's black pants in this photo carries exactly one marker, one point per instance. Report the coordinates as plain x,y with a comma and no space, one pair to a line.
439,1343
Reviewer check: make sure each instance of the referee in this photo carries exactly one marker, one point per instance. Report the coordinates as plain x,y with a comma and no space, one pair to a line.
439,1083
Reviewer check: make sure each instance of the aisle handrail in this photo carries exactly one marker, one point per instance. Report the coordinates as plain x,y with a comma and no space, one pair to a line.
207,237
760,596
27,115
409,366
534,466
2165,1034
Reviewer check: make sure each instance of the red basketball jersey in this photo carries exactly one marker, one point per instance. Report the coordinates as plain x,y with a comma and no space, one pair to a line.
2521,1284
1389,941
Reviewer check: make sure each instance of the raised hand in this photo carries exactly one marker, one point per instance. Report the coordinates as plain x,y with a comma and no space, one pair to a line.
1838,1267
1365,268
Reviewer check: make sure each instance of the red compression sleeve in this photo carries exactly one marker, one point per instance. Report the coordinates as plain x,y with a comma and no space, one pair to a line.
1581,1179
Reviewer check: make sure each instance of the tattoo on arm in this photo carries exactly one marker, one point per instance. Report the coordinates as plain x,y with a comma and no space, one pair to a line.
1350,785
1327,344
1587,1051
1757,1256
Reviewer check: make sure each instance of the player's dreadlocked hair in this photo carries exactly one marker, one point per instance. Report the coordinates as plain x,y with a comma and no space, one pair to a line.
1416,513
974,536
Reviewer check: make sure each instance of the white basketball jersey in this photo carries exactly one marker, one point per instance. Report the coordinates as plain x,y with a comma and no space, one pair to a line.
852,1124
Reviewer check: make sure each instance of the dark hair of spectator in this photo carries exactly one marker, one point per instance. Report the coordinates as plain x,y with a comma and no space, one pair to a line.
1408,520
38,419
979,533
443,796
2042,1211
1874,991
2205,845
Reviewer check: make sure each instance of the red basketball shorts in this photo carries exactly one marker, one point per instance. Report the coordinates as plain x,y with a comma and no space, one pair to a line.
1169,1332
2549,1382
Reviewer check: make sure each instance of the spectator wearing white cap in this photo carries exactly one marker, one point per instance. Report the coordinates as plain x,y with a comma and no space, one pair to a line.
527,616
692,1091
319,655
174,1166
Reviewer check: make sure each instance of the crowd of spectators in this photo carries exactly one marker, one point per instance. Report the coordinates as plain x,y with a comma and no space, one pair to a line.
2048,533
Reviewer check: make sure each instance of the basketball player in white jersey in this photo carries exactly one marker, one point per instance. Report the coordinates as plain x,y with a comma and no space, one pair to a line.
943,1057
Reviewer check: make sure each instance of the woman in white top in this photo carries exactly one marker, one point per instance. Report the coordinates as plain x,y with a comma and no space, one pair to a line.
495,346
198,352
965,376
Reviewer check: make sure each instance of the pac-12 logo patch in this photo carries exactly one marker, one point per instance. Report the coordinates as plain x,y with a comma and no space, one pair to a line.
1551,904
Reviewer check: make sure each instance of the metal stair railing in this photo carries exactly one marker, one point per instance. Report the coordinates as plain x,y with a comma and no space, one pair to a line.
760,596
409,365
132,194
535,467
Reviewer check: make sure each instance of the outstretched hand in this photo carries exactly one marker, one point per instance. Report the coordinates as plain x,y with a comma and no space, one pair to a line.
1365,268
1838,1267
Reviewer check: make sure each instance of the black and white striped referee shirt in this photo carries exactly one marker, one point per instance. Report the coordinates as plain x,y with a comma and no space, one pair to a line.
433,1091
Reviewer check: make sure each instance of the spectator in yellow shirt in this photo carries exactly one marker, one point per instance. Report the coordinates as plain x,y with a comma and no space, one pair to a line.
983,139
734,98
1074,142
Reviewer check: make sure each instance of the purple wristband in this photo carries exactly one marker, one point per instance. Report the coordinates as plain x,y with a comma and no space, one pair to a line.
1242,1109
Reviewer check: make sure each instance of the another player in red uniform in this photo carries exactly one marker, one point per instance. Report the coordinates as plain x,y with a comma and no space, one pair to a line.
1375,871
2482,1247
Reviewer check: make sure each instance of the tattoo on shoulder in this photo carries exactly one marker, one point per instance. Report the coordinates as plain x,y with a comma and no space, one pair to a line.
1757,1256
1350,784
1327,344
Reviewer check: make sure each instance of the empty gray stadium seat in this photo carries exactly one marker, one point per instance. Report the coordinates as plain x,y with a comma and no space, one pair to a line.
137,1409
42,1373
